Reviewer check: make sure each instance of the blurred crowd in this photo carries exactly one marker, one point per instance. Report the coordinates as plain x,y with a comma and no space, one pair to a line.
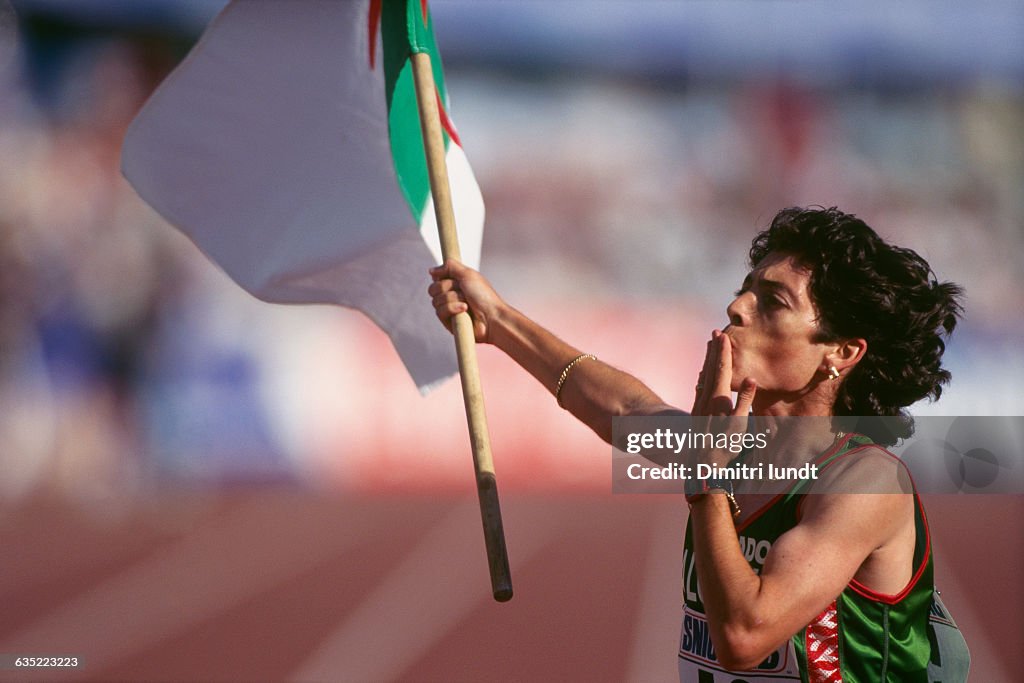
110,370
127,360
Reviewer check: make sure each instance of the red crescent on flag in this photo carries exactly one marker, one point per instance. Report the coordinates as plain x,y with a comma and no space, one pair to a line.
446,122
373,22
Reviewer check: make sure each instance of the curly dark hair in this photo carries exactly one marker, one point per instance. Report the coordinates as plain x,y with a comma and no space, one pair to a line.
864,287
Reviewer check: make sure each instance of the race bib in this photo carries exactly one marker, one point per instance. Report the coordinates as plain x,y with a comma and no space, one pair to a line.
698,663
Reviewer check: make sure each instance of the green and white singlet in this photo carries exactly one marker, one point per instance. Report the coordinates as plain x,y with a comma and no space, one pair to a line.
862,636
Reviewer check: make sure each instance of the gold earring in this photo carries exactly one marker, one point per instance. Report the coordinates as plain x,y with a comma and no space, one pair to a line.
833,374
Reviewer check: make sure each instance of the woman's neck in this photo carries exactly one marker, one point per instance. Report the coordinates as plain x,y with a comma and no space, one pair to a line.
816,402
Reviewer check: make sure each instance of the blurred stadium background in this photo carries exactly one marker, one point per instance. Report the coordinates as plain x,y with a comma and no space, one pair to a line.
199,486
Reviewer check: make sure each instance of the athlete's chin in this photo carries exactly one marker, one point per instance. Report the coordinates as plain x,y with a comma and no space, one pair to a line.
739,375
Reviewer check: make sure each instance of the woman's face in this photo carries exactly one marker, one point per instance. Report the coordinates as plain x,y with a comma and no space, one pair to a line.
773,326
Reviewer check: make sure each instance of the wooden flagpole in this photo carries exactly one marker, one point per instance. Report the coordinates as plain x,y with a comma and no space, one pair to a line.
465,342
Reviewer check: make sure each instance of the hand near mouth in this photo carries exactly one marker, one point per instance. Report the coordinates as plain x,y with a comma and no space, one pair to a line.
713,393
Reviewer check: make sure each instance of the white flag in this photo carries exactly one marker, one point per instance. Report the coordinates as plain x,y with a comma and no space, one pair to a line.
287,147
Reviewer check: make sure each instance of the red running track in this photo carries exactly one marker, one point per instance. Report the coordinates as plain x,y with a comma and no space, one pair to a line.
277,584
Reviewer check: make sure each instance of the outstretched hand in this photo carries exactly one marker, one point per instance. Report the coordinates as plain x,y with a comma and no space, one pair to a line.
457,288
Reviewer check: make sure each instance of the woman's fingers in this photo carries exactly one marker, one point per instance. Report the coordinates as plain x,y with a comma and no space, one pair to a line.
698,390
457,288
441,286
446,312
441,272
445,292
450,269
713,392
705,380
745,397
448,306
446,299
720,402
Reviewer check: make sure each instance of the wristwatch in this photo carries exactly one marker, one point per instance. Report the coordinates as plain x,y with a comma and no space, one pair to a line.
695,489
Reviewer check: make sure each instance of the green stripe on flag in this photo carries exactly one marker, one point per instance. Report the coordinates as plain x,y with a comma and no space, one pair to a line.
403,32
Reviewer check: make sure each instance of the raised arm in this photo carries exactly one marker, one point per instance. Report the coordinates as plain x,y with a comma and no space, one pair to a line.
592,390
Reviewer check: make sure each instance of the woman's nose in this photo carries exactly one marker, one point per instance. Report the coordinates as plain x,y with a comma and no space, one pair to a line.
735,310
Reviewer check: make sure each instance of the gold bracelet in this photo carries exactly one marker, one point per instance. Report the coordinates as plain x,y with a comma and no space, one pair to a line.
697,489
733,504
565,374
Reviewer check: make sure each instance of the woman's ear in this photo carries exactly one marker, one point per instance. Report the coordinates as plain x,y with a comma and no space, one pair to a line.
844,356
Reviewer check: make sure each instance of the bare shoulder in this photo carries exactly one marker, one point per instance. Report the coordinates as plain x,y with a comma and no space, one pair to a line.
869,469
865,498
863,488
